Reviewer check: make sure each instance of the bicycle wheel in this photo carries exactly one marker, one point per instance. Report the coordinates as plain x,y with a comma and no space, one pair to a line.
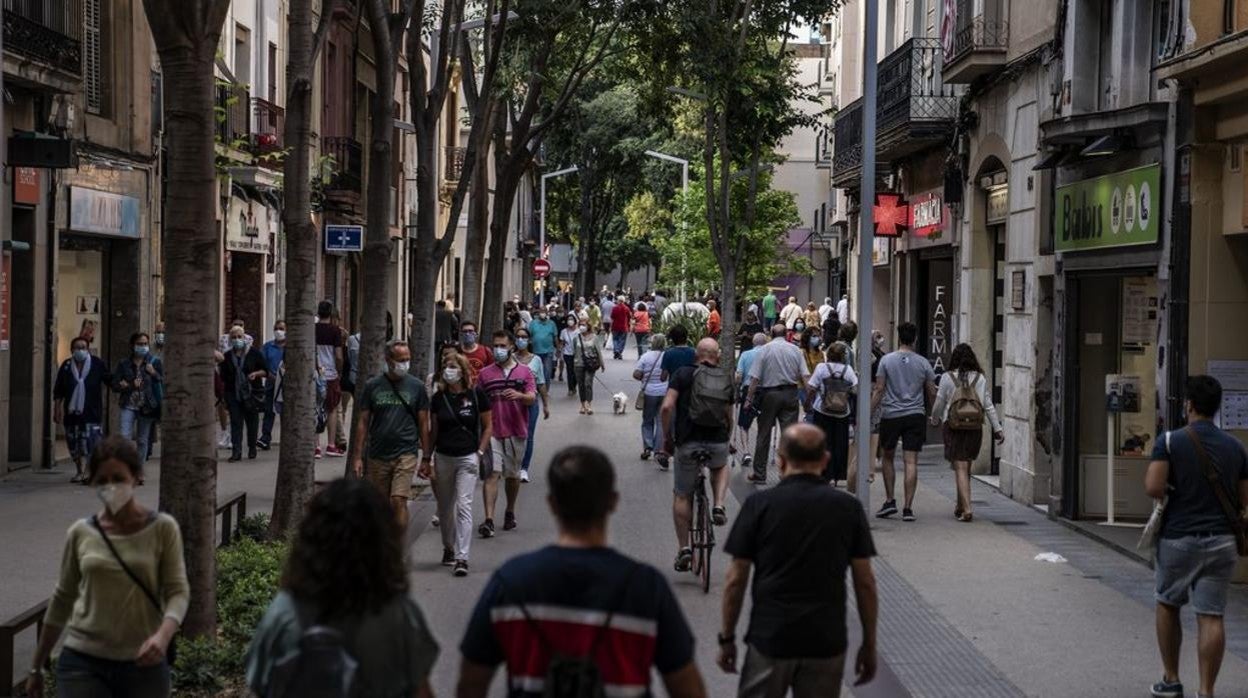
706,545
697,531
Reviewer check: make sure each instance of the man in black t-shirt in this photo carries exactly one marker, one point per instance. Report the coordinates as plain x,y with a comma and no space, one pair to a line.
799,536
693,446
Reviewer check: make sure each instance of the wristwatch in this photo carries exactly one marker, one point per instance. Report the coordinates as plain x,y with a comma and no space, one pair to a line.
725,640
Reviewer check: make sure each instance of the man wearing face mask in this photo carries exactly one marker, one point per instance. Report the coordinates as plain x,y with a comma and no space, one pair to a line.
139,383
394,419
542,335
274,352
243,371
79,403
512,388
478,356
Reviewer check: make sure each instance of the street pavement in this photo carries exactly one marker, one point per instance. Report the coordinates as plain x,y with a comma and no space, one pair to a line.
966,609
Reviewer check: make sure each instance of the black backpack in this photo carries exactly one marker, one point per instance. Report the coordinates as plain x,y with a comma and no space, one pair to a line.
574,676
321,668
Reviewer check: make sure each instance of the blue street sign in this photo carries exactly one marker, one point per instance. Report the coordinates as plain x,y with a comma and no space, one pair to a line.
344,238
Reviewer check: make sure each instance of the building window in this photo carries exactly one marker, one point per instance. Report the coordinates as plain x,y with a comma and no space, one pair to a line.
93,55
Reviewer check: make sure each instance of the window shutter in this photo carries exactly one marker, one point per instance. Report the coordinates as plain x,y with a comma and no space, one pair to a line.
92,58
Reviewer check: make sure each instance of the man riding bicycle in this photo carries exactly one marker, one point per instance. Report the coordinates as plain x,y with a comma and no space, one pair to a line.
697,422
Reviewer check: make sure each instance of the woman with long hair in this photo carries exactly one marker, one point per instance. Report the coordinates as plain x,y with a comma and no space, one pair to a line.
460,427
641,327
829,401
811,340
962,444
122,592
541,406
653,389
345,572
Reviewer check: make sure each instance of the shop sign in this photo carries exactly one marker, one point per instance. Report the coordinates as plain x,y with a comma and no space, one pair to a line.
1115,210
103,213
248,228
1018,289
344,238
998,209
26,186
5,274
928,215
891,214
940,281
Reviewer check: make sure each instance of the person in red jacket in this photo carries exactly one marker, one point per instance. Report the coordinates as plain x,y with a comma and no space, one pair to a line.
620,318
713,322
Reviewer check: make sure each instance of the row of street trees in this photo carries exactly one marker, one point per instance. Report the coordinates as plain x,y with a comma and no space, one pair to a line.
574,81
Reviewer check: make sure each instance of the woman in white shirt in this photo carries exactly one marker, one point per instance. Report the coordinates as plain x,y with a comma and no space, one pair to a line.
828,401
567,348
962,444
653,389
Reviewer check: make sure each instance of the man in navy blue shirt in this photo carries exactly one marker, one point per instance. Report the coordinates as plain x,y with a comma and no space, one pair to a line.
274,352
558,600
1204,473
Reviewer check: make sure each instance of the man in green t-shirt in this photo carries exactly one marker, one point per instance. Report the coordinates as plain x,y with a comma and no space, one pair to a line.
394,419
771,309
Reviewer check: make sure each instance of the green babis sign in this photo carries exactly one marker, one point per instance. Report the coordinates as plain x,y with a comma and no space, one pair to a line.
1111,211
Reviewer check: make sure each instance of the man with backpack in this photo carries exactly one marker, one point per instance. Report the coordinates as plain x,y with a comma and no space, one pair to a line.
394,419
578,618
904,384
1201,473
697,421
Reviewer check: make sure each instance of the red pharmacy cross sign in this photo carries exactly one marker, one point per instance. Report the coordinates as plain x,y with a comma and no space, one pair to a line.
892,215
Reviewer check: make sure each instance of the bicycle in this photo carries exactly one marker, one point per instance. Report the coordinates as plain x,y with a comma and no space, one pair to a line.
701,528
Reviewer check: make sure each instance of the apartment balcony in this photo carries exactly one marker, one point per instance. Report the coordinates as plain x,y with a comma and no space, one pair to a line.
270,122
348,164
233,114
980,42
915,110
454,155
48,33
823,147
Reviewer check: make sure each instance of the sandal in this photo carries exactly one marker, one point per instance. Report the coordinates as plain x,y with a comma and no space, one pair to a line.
684,560
719,516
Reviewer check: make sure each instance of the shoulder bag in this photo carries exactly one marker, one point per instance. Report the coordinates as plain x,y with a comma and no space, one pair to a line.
1220,492
171,653
640,403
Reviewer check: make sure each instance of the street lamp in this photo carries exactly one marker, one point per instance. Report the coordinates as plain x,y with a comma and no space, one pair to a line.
684,188
541,243
866,458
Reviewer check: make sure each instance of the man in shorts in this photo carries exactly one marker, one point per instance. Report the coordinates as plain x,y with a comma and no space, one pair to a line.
512,388
1196,547
394,420
695,445
904,385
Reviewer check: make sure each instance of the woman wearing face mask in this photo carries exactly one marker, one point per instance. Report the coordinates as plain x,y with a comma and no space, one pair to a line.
139,383
79,403
794,335
122,591
460,428
243,372
525,356
568,338
586,361
811,339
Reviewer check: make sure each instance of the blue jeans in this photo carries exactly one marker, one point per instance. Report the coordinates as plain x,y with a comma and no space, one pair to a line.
617,342
643,342
535,411
651,423
548,366
83,676
266,426
1195,569
137,428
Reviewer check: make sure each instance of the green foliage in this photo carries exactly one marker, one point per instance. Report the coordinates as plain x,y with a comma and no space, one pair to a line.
765,254
248,573
695,325
255,527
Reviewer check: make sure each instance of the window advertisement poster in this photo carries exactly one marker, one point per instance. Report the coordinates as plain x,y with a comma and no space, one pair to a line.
1139,312
1234,412
1114,210
1122,393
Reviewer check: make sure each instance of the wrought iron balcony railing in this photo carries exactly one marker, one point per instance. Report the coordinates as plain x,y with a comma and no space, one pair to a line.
49,31
270,127
981,34
348,163
455,155
980,40
847,142
233,113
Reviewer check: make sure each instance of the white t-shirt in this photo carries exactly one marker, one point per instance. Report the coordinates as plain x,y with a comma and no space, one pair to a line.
567,336
651,373
842,310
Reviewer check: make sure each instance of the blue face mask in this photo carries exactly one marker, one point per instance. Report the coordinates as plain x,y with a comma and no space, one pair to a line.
522,342
814,342
140,350
501,355
799,327
81,355
470,338
238,343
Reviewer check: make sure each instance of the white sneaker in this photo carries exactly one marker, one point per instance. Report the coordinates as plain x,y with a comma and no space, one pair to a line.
435,521
223,441
524,476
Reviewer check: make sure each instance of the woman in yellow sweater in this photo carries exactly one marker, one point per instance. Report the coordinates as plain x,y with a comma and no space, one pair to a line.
122,592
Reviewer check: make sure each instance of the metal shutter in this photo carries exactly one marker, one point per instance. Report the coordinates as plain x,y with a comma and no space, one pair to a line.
92,56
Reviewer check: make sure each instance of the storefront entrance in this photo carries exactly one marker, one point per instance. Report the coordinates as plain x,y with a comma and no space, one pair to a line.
1111,332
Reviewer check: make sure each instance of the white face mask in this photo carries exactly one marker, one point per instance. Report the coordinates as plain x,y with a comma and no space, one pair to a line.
115,496
450,375
279,335
400,367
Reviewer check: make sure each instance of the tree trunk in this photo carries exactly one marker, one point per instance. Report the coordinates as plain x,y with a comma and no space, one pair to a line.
186,36
423,260
296,472
478,235
728,315
377,245
500,227
584,250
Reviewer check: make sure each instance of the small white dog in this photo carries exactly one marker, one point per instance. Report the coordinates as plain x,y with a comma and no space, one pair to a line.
619,403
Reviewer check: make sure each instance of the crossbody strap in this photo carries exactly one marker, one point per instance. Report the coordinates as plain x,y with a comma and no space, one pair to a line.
455,413
1214,477
406,405
95,521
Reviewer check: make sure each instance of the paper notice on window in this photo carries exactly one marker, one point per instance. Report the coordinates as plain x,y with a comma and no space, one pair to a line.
1234,412
1136,326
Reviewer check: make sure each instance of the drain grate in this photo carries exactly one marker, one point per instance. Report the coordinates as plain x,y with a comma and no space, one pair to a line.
1012,523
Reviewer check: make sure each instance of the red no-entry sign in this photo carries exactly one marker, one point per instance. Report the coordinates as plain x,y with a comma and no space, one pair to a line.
541,268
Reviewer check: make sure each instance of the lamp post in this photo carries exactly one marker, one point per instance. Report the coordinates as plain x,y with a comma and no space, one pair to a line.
684,188
541,242
865,262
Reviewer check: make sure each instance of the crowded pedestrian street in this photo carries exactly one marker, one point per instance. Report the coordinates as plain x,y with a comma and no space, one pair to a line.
964,610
